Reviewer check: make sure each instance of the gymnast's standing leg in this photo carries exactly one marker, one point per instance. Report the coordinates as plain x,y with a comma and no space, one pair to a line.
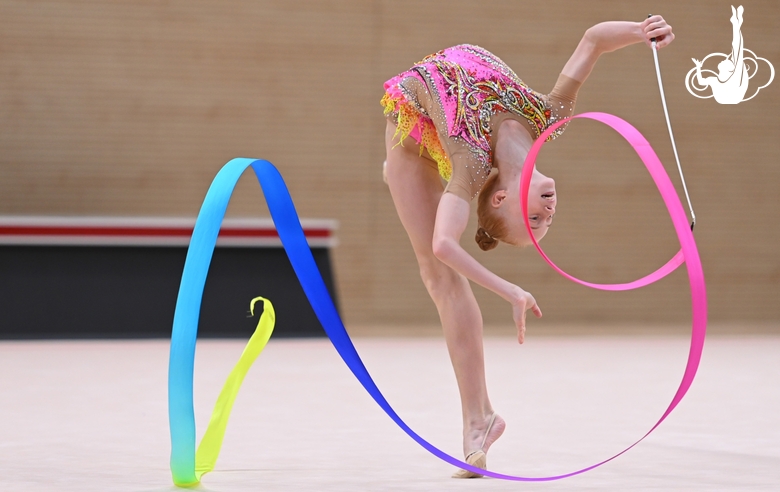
416,189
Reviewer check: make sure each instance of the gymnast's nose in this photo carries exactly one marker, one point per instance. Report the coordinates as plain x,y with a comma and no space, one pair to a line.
549,201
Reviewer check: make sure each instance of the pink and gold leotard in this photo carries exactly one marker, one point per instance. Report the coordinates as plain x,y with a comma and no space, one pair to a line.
448,102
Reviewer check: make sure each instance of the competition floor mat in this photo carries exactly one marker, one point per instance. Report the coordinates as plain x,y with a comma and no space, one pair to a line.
92,415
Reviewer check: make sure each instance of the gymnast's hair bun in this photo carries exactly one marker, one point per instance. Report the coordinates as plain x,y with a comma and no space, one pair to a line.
485,241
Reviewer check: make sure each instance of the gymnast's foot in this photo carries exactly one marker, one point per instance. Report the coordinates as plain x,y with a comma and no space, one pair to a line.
478,439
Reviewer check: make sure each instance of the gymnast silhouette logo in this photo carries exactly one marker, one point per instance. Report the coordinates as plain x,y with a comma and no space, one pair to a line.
730,84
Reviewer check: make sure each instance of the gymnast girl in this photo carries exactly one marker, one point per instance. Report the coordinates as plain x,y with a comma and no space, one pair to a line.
464,115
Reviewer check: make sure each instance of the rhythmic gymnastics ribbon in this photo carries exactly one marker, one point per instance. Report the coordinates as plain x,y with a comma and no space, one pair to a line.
184,461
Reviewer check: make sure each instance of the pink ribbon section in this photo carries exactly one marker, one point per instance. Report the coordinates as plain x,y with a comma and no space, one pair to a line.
688,251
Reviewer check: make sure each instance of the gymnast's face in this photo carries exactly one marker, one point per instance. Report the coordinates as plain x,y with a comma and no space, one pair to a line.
542,200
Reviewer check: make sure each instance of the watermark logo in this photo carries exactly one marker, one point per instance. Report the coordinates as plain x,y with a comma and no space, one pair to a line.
730,84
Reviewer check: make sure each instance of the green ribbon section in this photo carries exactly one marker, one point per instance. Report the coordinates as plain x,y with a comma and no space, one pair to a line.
210,445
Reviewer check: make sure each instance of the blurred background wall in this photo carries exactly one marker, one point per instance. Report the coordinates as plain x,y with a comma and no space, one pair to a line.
129,108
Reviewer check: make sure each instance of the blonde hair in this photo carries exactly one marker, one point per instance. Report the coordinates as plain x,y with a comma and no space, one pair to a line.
491,226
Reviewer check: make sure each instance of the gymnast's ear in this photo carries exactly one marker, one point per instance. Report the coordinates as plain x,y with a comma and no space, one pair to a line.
497,198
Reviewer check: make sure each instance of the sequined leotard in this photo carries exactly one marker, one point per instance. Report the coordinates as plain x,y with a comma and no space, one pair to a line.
448,102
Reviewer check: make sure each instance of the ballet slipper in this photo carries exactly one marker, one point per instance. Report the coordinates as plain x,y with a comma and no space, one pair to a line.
477,458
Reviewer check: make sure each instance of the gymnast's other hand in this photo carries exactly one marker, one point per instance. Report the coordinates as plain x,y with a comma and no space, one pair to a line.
522,303
656,27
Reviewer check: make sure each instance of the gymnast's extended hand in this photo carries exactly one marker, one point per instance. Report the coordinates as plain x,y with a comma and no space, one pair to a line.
524,302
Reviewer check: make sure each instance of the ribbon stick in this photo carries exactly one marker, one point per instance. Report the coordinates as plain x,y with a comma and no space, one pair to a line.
280,204
671,133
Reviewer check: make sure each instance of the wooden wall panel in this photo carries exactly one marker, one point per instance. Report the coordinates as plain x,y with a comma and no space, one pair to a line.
130,108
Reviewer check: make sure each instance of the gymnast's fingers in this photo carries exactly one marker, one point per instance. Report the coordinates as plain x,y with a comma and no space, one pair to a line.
660,40
652,22
518,313
521,335
537,312
664,40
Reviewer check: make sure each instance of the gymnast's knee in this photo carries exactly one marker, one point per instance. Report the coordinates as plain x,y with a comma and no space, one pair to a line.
441,281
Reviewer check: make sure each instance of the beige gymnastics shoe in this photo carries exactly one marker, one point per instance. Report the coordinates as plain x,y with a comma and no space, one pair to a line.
478,458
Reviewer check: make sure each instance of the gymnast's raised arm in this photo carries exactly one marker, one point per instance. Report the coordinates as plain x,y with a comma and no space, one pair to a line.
610,36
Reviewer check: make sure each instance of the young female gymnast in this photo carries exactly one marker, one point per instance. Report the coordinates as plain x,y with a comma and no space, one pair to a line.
460,114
